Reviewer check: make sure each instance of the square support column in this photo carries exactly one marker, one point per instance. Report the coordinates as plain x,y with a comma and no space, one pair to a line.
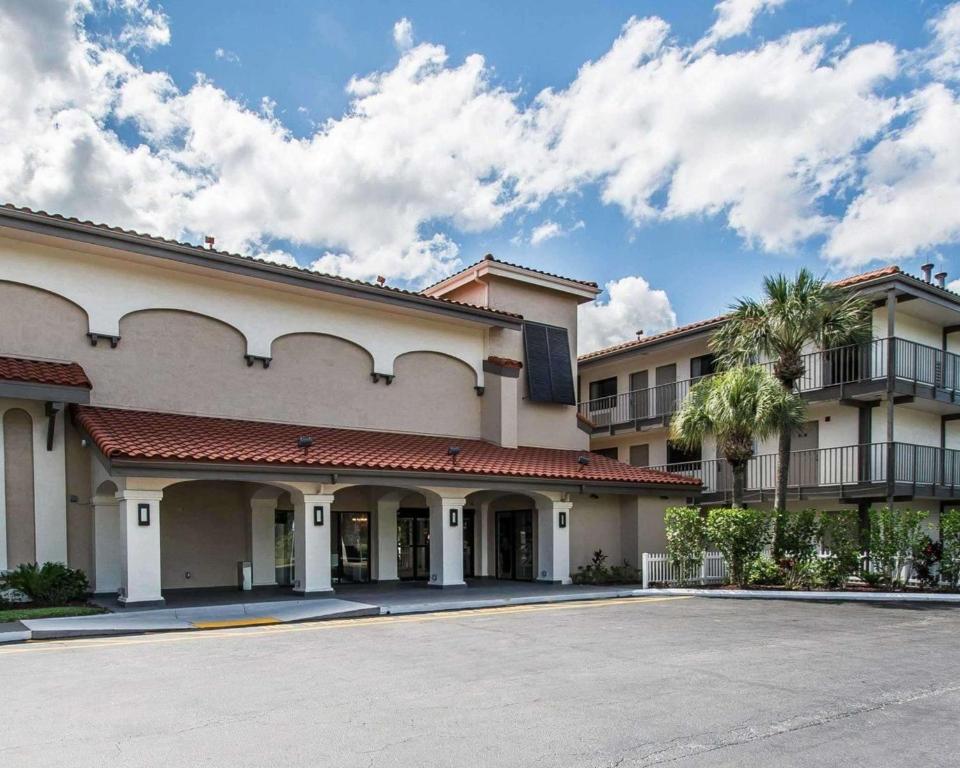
107,545
311,544
446,542
553,542
263,554
140,547
385,541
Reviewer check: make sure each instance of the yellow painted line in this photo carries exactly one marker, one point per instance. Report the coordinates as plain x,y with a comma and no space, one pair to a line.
253,621
35,646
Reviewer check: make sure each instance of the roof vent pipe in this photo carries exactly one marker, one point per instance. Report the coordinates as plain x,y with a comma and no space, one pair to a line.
941,278
927,270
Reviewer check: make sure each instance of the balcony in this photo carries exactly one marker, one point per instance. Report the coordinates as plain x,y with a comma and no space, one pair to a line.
851,472
905,368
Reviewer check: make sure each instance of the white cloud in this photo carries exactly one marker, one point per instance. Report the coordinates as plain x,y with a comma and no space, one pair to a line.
545,231
225,55
944,53
631,306
762,138
910,199
403,34
735,17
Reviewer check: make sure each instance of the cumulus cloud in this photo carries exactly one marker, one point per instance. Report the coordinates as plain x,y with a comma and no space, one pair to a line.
735,17
944,52
403,34
767,139
550,229
631,305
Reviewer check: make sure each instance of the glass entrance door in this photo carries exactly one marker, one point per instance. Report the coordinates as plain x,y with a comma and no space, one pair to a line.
515,545
469,531
350,547
283,546
413,544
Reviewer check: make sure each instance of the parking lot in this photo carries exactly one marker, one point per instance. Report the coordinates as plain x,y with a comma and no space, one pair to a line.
625,682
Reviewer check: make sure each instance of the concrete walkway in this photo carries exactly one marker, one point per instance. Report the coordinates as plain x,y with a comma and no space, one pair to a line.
390,599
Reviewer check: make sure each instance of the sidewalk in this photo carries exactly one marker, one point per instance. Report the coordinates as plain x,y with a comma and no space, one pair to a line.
400,599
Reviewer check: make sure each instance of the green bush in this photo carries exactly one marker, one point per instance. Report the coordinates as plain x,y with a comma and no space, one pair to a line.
839,533
685,541
799,534
47,584
597,572
950,542
740,535
895,535
765,571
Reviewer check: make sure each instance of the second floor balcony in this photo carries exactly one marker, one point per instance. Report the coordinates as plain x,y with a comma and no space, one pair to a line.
896,366
851,472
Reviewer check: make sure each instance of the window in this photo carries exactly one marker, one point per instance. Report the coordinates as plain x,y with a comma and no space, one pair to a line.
702,366
603,394
610,453
548,364
640,455
678,455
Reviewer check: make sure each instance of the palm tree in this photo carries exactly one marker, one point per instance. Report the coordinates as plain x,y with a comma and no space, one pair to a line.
793,315
737,406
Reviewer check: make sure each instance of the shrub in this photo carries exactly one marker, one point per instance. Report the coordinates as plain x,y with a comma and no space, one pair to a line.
740,535
47,584
765,571
597,572
685,541
926,560
895,534
950,552
839,533
799,533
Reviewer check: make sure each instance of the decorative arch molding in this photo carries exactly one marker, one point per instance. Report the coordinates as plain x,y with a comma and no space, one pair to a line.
477,372
108,289
55,294
178,311
318,334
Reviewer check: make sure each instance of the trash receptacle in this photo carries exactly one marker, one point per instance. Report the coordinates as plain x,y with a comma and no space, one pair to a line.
245,575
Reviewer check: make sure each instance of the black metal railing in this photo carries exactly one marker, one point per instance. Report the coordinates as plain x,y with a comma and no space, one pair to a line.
877,361
924,468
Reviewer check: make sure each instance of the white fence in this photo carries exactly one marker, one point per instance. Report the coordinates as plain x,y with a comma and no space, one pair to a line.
657,569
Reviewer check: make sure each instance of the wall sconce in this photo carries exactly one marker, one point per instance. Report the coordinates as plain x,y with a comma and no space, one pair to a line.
563,519
318,515
454,518
143,514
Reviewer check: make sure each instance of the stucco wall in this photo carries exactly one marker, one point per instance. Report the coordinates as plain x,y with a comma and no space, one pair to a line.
595,524
204,529
79,512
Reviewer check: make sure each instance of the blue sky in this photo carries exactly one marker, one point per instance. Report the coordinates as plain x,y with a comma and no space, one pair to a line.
197,106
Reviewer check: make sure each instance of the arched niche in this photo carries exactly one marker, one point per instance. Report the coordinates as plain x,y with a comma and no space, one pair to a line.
40,323
18,479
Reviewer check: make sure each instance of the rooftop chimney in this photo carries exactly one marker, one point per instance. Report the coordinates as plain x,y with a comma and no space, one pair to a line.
927,270
941,278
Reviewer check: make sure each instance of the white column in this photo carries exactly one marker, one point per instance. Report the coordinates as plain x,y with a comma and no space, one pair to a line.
385,526
262,552
446,542
140,547
311,547
484,534
107,545
553,542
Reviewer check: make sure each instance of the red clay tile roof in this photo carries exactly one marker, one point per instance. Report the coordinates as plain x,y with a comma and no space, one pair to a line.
504,362
490,258
43,372
170,243
149,436
845,282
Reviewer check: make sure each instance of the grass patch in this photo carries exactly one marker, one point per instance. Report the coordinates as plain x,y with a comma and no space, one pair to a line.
19,614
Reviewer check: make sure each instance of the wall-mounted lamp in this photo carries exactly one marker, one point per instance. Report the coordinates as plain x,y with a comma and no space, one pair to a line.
318,515
143,514
454,518
562,520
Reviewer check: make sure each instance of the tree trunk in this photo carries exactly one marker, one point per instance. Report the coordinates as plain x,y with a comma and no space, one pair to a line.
780,497
739,483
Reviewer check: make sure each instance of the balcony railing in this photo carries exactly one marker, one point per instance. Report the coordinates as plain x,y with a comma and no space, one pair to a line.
878,466
873,363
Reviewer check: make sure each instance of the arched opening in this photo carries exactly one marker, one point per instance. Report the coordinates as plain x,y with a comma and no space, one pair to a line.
503,535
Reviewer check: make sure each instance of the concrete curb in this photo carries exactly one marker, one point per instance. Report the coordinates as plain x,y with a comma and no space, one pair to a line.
829,597
504,602
13,632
